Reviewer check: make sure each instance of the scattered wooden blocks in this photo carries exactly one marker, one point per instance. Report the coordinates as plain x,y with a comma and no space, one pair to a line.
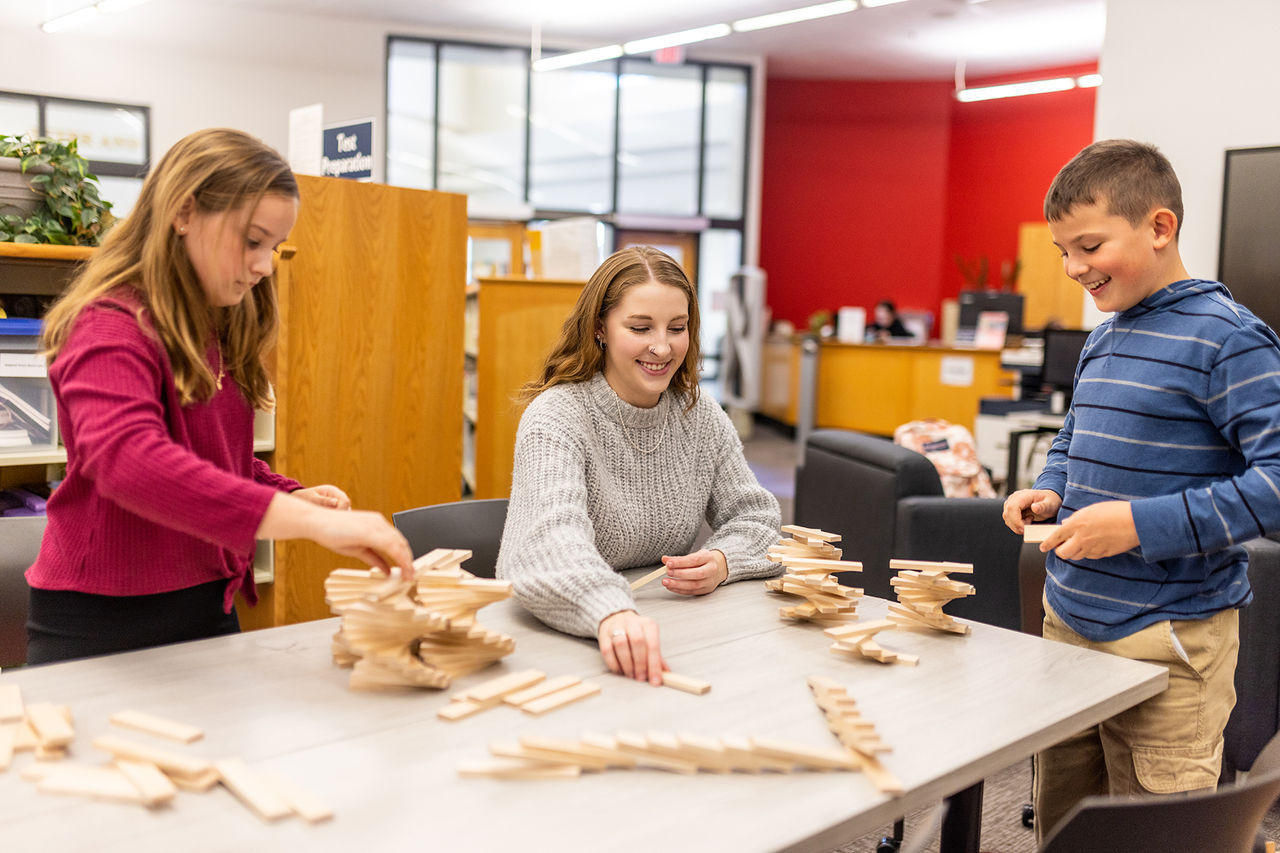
419,633
158,726
252,790
155,787
810,560
685,683
859,639
1038,532
51,724
175,764
528,690
857,735
923,588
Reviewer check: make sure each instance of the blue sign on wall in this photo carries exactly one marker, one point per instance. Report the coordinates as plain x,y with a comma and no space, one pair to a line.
348,151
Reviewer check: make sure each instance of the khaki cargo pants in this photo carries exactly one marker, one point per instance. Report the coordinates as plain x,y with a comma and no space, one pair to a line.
1169,743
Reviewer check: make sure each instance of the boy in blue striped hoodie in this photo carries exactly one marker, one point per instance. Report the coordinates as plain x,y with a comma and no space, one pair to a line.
1168,459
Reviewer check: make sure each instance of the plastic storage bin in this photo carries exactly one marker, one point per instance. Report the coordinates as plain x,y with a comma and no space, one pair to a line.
28,416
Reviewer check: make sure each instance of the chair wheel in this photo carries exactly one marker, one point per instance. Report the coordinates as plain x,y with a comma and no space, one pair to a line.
888,845
1028,815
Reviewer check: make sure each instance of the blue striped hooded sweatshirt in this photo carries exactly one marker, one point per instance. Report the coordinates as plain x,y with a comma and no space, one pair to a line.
1176,409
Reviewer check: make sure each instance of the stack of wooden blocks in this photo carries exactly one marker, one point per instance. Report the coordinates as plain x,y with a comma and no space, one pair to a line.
810,559
535,757
858,735
139,773
923,588
858,640
421,632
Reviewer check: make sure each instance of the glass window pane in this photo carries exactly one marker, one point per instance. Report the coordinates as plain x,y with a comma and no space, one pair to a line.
661,108
571,147
19,116
482,122
411,113
725,157
719,257
102,131
121,192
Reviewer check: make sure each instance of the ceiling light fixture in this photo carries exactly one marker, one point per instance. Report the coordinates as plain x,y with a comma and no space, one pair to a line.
580,57
648,45
792,16
1030,87
871,4
87,14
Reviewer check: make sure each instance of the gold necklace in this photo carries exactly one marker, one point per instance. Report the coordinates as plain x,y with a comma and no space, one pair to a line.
218,380
622,421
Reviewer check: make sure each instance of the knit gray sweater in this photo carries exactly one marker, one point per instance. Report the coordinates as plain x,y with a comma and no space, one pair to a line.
586,501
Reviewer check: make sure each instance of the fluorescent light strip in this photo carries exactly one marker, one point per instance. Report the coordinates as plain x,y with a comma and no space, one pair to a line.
871,4
1013,90
581,57
1089,81
87,14
792,16
649,45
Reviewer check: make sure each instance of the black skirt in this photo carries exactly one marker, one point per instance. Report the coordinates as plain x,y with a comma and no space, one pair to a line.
63,625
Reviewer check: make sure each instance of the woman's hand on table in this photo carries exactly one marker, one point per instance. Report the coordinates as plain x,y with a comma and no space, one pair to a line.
630,647
697,573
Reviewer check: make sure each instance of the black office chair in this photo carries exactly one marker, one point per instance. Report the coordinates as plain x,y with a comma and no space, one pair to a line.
19,544
473,525
1224,821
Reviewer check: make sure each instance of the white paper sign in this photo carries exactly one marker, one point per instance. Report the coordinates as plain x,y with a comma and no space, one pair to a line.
957,370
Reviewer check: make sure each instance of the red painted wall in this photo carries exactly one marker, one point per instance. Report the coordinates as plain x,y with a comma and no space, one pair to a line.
1004,154
853,197
871,188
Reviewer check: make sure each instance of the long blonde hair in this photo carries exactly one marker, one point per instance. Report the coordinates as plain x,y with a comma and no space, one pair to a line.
577,357
215,170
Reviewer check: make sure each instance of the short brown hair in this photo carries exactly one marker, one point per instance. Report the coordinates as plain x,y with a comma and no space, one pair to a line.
1132,178
576,356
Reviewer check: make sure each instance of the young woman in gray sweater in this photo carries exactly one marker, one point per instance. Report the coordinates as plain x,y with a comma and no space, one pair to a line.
618,461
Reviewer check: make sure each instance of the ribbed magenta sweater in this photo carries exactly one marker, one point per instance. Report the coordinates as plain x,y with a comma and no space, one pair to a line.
158,496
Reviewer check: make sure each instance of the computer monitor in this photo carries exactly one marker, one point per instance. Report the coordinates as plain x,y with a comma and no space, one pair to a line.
1061,355
973,302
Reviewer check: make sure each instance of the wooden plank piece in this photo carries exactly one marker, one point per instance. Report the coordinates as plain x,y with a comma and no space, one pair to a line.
1037,533
158,726
515,768
560,698
8,737
652,576
251,789
308,806
83,780
537,691
173,763
155,787
11,709
686,683
50,724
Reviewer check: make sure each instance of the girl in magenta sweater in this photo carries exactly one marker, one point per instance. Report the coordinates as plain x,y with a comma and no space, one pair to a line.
156,360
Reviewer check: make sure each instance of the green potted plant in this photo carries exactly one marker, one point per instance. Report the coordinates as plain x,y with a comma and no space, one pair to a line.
69,209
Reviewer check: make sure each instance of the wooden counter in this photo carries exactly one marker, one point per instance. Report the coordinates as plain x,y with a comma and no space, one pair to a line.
876,387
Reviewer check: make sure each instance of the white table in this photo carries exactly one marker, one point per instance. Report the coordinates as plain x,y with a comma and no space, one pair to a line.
974,705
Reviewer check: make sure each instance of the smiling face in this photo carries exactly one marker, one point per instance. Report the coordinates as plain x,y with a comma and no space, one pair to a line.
1119,264
232,250
646,337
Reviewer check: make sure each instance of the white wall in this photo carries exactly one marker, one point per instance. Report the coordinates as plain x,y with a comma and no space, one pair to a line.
1195,78
200,65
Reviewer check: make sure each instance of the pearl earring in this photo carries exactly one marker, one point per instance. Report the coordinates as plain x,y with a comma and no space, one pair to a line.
600,341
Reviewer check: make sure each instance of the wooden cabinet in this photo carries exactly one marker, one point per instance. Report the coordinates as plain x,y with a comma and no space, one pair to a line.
1050,294
515,321
368,364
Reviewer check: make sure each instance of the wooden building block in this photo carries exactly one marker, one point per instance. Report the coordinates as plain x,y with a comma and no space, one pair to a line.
652,576
685,683
155,787
595,748
24,737
251,789
931,566
455,711
201,783
50,724
746,758
515,768
637,745
567,753
490,692
158,726
8,735
306,804
810,533
172,763
83,780
560,698
1037,533
11,709
537,691
812,758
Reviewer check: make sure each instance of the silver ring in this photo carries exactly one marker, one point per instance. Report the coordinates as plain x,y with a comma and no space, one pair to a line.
619,633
